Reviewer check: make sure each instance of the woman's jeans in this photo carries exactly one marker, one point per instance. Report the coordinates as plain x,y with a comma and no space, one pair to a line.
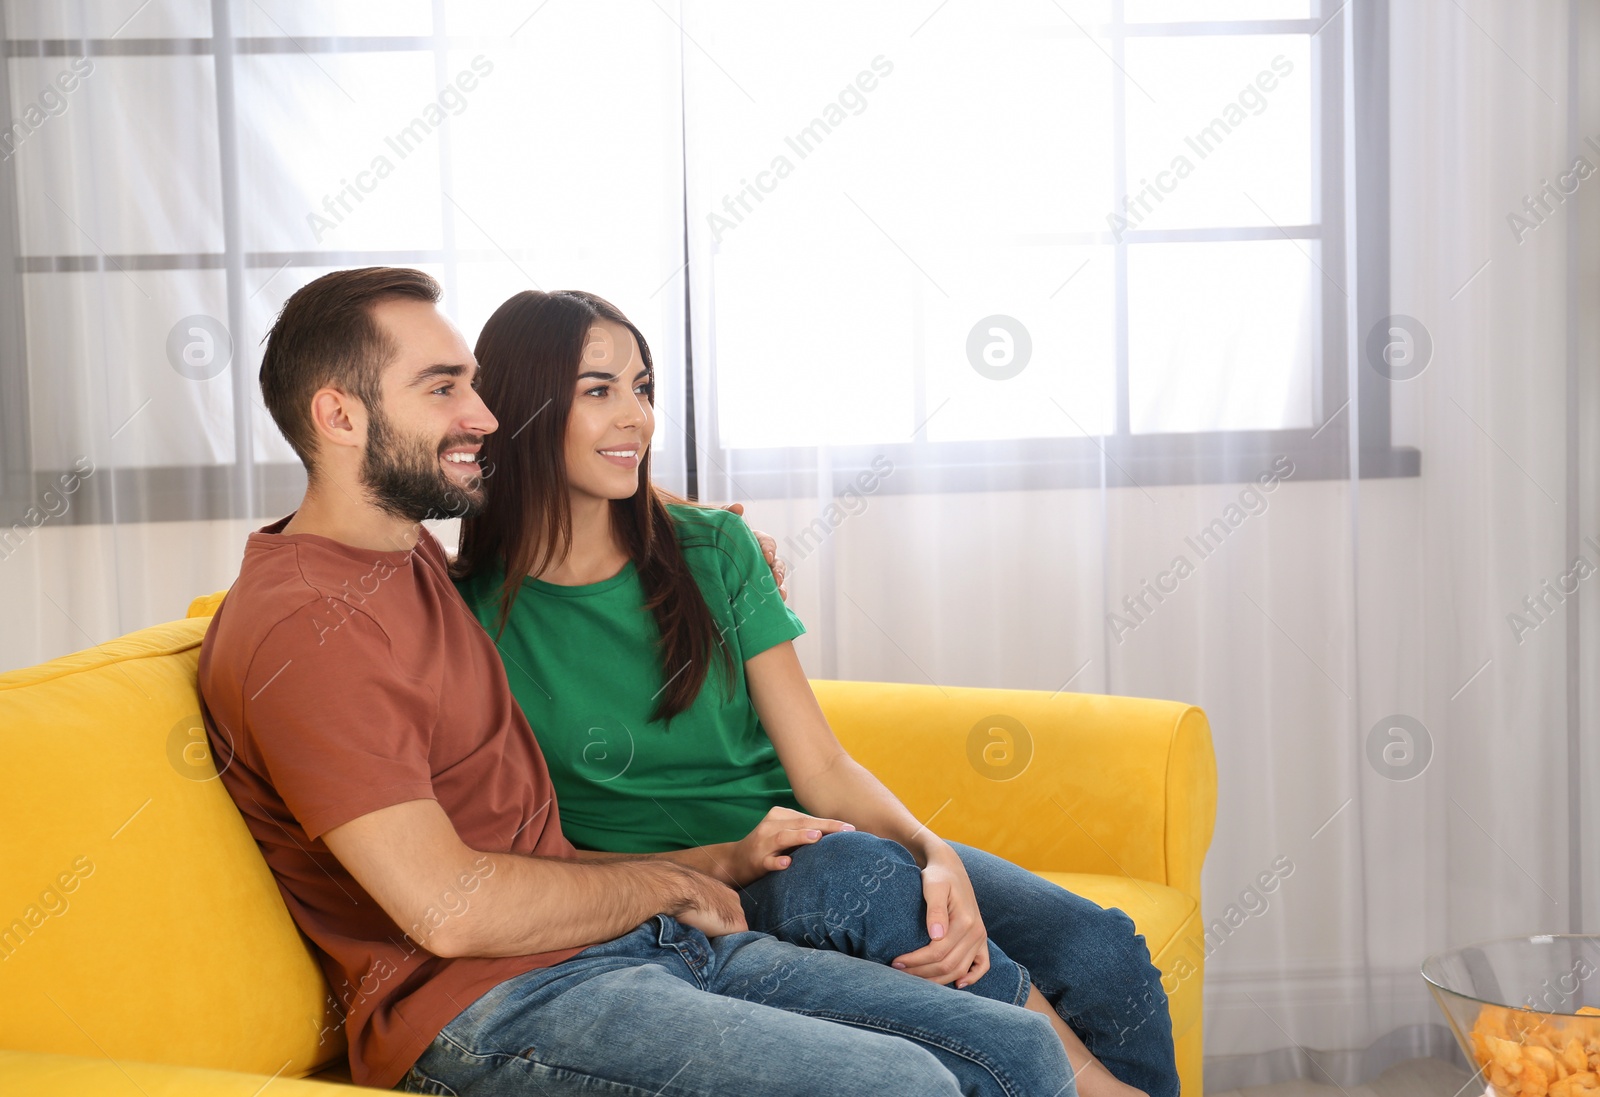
665,1010
862,895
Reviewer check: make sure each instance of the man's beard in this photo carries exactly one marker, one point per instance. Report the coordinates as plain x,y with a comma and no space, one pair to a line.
403,476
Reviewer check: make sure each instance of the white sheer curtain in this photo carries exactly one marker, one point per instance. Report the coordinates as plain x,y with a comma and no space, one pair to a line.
177,169
1390,715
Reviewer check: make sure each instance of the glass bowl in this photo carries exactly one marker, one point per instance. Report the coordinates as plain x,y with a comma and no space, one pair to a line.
1526,1012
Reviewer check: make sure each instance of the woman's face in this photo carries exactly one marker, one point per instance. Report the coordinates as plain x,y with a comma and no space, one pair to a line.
609,427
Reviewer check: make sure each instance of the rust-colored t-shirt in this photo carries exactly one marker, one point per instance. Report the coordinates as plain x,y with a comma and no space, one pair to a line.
337,681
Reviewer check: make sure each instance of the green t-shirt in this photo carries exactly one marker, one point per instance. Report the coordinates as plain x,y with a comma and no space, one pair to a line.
583,664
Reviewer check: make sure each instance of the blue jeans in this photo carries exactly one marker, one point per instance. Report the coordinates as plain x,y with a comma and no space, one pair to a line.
666,1010
862,895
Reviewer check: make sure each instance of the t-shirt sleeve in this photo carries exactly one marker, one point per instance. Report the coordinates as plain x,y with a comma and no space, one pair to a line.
340,730
761,618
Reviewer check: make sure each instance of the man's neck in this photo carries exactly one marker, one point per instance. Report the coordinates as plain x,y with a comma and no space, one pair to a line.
344,514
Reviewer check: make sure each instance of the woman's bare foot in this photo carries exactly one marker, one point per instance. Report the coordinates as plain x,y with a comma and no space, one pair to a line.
1091,1075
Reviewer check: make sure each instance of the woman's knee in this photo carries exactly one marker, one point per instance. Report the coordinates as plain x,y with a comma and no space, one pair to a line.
855,861
853,891
857,847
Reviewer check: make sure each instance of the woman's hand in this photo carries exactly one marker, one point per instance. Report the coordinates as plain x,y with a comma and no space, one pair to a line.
763,850
958,946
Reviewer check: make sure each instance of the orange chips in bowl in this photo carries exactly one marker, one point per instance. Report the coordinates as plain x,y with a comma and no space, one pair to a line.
1528,1054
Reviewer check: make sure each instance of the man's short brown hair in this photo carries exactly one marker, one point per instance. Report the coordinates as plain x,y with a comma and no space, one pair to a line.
325,336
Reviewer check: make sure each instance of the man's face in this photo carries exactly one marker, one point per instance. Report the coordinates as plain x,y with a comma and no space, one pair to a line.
421,459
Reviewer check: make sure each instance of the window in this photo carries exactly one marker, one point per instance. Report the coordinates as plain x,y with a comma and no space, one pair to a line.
1012,244
1039,245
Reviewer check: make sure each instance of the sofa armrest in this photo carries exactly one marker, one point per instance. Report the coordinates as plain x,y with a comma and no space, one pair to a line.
77,1076
1067,782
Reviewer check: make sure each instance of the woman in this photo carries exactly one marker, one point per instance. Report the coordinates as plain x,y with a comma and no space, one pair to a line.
646,641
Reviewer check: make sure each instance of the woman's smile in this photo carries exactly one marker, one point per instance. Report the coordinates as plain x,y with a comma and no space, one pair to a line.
624,456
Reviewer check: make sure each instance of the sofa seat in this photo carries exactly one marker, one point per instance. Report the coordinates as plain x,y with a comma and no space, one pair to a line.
41,1074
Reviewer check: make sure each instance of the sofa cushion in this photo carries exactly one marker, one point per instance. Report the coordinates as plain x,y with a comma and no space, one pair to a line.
137,918
206,605
34,1073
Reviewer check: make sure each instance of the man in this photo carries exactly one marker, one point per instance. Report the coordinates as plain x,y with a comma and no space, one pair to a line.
391,781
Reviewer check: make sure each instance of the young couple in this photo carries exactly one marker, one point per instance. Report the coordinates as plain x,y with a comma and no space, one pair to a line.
685,885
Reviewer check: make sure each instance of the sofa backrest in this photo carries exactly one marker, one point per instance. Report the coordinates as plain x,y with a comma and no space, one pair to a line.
137,918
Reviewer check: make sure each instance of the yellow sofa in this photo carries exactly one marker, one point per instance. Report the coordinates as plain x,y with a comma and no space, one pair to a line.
144,947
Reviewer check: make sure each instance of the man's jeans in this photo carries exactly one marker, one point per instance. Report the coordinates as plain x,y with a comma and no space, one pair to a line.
862,895
665,1010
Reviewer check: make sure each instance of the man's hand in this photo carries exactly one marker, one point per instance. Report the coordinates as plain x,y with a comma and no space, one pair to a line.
769,549
958,946
763,849
707,905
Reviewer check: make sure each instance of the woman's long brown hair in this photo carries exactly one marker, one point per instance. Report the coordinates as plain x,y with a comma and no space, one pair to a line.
529,353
